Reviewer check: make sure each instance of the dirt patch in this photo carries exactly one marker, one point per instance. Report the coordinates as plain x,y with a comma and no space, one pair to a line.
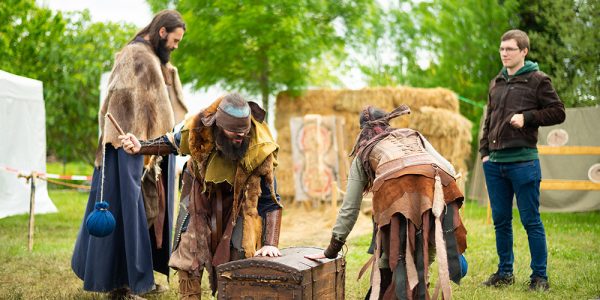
303,225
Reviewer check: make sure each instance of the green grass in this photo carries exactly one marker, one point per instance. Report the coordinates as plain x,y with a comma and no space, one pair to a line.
574,263
71,168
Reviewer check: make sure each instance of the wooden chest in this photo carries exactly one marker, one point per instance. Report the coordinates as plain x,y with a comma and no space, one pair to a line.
290,276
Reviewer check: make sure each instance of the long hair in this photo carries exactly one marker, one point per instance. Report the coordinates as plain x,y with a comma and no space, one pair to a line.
375,126
169,19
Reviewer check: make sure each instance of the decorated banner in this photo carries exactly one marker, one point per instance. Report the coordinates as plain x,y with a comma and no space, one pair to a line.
315,153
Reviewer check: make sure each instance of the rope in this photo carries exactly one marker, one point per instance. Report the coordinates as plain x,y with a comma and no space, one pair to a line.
472,102
77,186
51,178
104,155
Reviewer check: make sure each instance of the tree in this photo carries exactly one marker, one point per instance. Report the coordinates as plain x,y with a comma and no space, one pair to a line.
263,46
68,54
564,41
446,43
87,50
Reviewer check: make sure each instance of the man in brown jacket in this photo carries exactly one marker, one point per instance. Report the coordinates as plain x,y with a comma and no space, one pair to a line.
520,99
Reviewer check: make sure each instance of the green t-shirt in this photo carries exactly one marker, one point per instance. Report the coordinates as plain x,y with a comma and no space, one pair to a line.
514,154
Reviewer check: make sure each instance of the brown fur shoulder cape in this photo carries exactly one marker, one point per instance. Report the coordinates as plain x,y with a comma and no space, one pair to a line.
247,182
138,97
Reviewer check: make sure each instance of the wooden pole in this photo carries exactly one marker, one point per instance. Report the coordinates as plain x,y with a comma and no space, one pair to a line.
114,122
31,210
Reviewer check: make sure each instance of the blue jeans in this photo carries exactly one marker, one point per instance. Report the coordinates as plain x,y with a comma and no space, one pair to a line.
504,180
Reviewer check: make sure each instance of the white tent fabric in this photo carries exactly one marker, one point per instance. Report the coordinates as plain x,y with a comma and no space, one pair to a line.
23,146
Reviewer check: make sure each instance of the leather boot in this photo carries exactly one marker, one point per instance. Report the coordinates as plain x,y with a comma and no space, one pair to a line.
189,286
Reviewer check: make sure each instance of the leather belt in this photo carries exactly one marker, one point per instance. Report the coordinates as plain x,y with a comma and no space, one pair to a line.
216,217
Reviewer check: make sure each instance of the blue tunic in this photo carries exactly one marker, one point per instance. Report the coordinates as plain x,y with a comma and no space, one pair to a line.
126,257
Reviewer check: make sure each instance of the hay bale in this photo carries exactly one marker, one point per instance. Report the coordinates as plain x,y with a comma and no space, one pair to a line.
448,132
435,113
388,98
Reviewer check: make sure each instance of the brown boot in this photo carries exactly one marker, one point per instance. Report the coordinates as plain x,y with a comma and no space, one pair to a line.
124,294
189,286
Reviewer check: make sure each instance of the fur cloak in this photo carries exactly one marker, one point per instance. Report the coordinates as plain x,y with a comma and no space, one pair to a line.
191,247
138,97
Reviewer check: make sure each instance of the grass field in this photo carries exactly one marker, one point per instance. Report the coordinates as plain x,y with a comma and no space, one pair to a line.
573,244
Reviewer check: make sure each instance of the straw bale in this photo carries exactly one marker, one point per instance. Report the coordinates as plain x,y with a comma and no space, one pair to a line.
434,112
285,175
419,97
388,98
440,122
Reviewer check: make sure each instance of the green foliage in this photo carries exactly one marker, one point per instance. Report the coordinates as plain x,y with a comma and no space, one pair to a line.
564,41
454,44
443,43
263,46
68,53
446,43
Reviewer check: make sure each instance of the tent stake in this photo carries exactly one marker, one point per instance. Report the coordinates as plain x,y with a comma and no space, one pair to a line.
31,179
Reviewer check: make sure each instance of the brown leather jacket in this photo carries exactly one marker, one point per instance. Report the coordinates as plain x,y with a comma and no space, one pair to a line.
530,94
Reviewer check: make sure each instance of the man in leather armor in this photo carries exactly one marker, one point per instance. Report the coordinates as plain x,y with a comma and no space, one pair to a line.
415,209
229,207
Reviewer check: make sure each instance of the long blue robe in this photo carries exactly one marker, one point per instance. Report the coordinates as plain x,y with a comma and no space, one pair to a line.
128,256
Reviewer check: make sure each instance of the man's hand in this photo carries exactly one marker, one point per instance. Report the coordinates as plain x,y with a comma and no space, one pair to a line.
485,158
315,256
268,251
517,121
130,143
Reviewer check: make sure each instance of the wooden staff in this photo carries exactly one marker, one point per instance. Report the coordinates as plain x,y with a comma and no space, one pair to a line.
31,211
114,122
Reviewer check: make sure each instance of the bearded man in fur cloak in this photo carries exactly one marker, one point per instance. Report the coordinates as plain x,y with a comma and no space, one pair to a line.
229,207
145,97
415,209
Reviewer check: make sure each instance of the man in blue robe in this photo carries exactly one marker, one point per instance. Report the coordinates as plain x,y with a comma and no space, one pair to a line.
144,96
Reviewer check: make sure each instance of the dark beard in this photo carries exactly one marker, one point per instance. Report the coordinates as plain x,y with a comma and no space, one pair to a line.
227,147
163,53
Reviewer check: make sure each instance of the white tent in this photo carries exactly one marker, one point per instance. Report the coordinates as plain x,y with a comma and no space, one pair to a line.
23,144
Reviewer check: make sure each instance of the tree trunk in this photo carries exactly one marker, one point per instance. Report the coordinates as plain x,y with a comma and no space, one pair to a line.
264,83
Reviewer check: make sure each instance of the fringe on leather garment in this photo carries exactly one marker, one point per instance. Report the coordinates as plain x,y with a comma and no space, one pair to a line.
416,210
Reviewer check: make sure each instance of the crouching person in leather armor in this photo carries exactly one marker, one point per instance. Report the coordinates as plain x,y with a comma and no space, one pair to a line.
229,208
415,209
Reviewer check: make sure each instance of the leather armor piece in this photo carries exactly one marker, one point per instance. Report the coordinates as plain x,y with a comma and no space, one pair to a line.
272,227
158,146
335,246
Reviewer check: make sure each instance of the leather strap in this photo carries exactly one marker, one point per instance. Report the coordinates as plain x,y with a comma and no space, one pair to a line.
159,222
223,252
219,212
419,258
272,228
158,146
365,267
451,246
214,237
